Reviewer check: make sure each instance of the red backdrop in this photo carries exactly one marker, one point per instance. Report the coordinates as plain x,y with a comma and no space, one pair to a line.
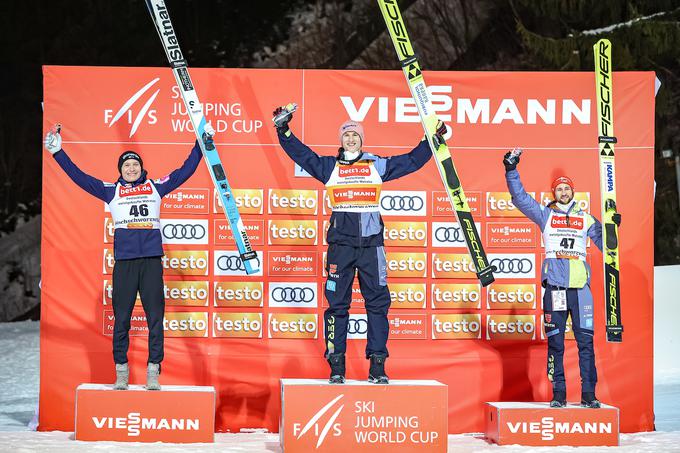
241,335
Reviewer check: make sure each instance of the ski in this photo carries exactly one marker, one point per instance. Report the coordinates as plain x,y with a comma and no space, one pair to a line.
447,171
166,32
610,234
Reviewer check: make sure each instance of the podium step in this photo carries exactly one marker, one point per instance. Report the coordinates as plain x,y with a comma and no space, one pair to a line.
358,417
537,424
176,413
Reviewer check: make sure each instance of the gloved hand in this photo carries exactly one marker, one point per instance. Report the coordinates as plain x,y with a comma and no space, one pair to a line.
53,139
208,132
282,116
616,218
510,161
209,129
438,137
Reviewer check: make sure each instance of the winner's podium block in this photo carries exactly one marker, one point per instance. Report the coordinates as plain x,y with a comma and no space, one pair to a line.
355,417
177,413
537,424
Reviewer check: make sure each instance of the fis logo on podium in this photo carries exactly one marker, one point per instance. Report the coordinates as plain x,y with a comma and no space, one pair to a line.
134,423
314,426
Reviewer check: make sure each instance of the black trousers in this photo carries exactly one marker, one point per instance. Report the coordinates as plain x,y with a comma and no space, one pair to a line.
130,276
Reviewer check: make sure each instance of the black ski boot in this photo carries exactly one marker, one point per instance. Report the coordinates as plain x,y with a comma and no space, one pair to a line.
376,372
337,363
559,399
589,400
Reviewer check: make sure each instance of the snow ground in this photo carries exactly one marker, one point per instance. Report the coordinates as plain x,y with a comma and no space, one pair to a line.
19,343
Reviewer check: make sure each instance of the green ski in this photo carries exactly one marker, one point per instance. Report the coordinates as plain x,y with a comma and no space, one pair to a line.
416,82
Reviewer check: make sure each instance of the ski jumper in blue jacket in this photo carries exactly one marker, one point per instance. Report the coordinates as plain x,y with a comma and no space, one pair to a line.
137,244
565,274
355,236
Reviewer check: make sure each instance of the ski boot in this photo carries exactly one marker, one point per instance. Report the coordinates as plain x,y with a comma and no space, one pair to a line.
589,400
559,399
153,371
337,363
122,376
376,372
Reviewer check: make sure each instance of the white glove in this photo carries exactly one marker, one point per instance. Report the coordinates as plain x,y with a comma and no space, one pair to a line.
53,139
209,129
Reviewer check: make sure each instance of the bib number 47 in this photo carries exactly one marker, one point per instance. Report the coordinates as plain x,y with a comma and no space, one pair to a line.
567,243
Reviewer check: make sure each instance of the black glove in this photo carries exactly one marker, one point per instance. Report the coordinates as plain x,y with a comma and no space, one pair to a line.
510,162
438,137
281,123
616,218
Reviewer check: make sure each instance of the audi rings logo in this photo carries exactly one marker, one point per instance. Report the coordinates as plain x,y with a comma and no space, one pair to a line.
229,263
357,326
288,294
449,234
401,203
513,265
183,231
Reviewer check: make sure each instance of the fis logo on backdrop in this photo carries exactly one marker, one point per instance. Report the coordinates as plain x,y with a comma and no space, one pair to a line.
185,324
499,204
237,325
403,203
239,294
293,294
248,201
510,327
513,265
293,325
136,110
228,262
405,234
186,201
184,231
295,201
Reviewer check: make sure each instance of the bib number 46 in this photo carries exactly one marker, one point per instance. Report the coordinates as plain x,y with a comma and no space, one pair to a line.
139,210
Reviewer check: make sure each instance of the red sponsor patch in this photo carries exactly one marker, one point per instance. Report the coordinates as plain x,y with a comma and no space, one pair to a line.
333,268
354,170
342,195
142,189
575,223
547,317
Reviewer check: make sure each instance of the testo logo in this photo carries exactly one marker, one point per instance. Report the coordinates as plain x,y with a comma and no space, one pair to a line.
458,326
248,201
408,295
237,325
109,230
503,296
456,295
401,264
295,201
185,262
185,324
452,265
293,325
293,232
405,234
499,204
239,294
186,293
510,327
108,262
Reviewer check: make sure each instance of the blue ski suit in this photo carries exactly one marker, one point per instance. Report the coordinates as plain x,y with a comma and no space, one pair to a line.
563,274
355,243
137,252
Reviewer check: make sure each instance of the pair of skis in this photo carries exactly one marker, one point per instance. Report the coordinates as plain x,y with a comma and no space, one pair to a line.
166,32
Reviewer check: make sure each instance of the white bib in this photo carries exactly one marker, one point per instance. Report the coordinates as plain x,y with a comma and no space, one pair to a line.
566,238
354,188
136,207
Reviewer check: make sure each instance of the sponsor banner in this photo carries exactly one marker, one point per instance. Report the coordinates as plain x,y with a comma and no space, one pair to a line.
327,207
228,262
359,419
515,296
138,327
293,325
408,327
505,235
292,263
325,225
510,327
441,204
248,201
293,232
222,234
403,203
406,264
357,326
449,234
405,234
456,326
293,294
186,201
185,324
108,230
237,325
499,204
185,231
453,265
293,201
186,293
408,295
456,295
239,294
513,265
185,262
582,199
108,262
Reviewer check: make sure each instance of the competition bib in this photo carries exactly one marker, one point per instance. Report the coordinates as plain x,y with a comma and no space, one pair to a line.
566,236
136,207
354,188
